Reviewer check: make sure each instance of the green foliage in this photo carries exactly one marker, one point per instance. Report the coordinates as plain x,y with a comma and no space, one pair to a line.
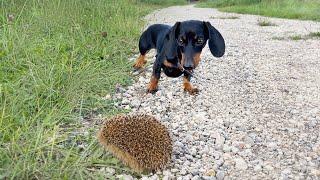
265,23
58,58
293,9
315,34
296,37
224,3
224,17
165,2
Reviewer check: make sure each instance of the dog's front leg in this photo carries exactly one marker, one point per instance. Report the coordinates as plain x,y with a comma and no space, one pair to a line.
153,85
187,86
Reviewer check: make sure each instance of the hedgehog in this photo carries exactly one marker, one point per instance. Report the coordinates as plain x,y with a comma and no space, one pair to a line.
139,141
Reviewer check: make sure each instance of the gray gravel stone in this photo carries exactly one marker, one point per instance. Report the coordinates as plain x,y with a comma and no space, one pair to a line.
154,177
209,178
220,175
241,164
195,178
257,168
125,177
110,171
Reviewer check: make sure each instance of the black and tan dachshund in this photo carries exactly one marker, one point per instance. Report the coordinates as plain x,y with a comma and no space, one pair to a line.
178,49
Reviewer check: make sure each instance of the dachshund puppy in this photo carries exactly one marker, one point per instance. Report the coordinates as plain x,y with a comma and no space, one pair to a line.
178,50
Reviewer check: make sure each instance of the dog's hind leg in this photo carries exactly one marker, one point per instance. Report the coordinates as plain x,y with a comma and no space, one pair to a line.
153,85
145,44
140,62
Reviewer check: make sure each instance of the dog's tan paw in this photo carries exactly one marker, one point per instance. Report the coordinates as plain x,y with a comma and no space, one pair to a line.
153,85
192,91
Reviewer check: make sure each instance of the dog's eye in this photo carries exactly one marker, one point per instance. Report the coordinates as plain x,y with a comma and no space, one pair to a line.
180,41
199,41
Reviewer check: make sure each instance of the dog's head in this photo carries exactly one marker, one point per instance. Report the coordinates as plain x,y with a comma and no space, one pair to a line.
186,40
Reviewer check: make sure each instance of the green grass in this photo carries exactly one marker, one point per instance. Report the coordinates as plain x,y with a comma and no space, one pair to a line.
165,2
278,38
296,37
224,17
265,23
292,9
315,34
58,59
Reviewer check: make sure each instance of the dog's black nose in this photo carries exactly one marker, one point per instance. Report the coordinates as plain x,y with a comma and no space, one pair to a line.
188,67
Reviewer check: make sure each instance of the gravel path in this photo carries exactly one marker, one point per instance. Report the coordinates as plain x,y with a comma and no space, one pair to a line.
257,115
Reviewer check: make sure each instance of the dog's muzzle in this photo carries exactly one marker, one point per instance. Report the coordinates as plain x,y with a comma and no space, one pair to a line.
187,70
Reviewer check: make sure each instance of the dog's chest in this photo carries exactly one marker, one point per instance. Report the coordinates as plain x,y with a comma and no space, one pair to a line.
172,72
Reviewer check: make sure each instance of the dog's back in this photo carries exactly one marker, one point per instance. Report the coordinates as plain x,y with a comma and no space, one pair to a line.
153,37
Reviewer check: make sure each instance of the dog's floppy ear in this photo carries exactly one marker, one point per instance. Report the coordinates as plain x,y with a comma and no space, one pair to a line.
171,44
216,41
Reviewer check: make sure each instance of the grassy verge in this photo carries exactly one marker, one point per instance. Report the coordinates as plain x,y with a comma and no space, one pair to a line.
312,35
292,9
165,2
265,23
57,60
